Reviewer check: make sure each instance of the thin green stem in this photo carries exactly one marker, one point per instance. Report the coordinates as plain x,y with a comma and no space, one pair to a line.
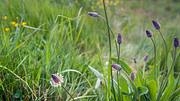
109,33
118,52
144,67
68,93
109,36
165,46
112,33
119,92
155,68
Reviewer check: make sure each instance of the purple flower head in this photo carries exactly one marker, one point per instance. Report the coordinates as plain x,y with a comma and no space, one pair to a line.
176,42
119,38
145,58
56,80
156,24
116,67
148,33
93,14
132,76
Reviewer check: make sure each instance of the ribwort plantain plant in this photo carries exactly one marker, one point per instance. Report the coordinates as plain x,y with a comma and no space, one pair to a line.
167,70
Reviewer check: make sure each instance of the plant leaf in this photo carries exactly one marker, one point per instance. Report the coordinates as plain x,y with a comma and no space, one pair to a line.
152,89
142,90
97,73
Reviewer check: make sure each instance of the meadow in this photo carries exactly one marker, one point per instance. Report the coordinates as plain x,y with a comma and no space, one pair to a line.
89,50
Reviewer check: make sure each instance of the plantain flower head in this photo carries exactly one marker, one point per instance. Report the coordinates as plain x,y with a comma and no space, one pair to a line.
93,14
176,42
56,80
119,38
116,67
148,33
156,24
132,76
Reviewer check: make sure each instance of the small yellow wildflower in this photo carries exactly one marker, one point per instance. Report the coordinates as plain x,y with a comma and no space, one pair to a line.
4,17
7,29
14,23
24,24
17,18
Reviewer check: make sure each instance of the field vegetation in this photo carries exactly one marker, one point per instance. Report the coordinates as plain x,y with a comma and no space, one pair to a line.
89,50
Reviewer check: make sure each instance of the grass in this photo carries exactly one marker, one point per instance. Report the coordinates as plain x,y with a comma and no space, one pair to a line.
60,37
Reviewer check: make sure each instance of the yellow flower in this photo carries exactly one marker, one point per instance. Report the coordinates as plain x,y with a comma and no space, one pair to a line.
14,23
24,24
6,29
17,18
4,17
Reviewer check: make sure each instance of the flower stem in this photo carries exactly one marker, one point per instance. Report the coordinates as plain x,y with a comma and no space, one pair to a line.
68,93
165,46
110,77
119,92
118,54
155,68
